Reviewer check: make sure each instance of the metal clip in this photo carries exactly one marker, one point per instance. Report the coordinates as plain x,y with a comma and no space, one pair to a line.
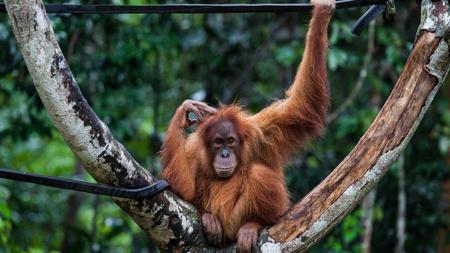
390,11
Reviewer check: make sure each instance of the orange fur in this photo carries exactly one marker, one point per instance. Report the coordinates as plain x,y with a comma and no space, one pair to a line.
256,193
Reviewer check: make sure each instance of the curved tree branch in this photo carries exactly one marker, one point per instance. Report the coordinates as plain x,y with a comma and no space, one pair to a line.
172,223
392,129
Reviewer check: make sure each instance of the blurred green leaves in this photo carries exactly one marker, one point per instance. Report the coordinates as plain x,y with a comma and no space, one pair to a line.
136,69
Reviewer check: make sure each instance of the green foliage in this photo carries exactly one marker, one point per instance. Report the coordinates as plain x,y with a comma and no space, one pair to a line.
136,69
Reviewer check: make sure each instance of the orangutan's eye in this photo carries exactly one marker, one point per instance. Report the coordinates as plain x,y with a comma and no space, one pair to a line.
218,141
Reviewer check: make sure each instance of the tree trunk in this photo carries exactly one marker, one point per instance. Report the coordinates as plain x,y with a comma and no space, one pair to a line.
172,223
367,220
70,218
401,208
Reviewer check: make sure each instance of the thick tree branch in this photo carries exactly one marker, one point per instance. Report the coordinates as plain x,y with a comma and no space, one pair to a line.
380,146
172,223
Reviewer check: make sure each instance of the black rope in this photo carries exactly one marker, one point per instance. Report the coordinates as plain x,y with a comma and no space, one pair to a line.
151,190
388,9
373,12
81,186
194,8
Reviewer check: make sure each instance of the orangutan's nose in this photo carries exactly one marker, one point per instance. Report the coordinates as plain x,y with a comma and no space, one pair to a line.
225,153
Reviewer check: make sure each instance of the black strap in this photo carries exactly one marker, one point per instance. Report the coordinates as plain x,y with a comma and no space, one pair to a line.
372,13
388,9
81,186
194,8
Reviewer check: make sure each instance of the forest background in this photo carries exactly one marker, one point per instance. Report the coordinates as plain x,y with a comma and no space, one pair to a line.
136,69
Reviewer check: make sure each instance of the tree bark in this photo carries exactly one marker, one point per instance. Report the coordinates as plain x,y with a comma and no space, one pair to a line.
174,224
